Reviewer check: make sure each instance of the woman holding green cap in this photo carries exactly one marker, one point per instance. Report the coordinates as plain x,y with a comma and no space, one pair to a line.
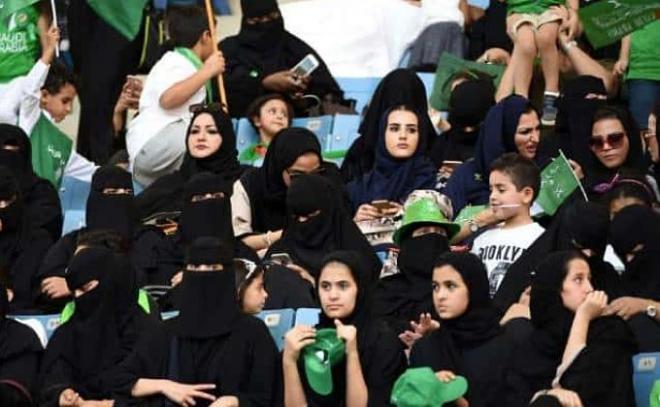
373,357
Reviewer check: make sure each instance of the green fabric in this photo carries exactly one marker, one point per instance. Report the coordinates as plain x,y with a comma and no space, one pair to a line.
334,154
19,38
70,307
448,66
51,150
319,358
197,63
468,212
250,154
606,22
645,53
557,183
654,397
125,16
420,387
530,6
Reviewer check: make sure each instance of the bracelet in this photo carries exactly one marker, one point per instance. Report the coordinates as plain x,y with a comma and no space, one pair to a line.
567,46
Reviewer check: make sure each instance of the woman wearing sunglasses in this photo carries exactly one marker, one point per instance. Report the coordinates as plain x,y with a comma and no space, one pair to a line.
615,144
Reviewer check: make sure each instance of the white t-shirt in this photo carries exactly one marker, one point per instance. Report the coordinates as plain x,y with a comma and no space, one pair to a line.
169,70
437,11
499,248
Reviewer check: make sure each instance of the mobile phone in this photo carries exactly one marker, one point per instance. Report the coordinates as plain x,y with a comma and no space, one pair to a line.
281,258
451,164
306,66
382,205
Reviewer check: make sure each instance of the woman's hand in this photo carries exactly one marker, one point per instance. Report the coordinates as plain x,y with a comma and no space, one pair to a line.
593,306
70,398
567,398
445,376
295,340
176,279
349,334
367,212
304,274
55,287
226,401
426,324
185,394
284,82
626,307
516,310
577,169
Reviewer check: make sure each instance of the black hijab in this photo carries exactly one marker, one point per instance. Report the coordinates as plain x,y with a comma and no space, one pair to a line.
19,161
166,193
111,211
263,38
399,87
265,186
391,178
13,233
331,230
632,226
208,306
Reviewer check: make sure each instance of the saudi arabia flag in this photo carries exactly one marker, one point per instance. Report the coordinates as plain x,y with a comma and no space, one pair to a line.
9,7
124,16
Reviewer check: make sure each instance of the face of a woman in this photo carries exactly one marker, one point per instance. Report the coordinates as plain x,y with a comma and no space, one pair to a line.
273,117
617,204
204,138
308,163
402,134
528,134
609,142
255,295
450,293
337,291
576,285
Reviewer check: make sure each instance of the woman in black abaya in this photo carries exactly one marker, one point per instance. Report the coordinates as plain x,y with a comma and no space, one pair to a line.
211,350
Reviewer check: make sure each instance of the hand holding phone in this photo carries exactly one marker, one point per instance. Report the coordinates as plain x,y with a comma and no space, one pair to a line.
281,258
306,66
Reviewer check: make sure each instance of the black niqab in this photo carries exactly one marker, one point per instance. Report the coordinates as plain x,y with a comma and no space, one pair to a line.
19,157
107,210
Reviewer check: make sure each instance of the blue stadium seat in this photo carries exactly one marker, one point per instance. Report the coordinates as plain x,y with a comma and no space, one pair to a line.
344,132
245,135
307,316
137,188
43,325
235,123
360,89
646,370
73,220
321,126
428,79
73,194
278,321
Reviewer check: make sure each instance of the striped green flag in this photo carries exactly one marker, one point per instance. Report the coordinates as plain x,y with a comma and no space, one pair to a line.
606,22
9,7
124,16
558,181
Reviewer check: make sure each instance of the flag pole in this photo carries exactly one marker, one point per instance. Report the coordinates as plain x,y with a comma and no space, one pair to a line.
584,193
221,84
54,12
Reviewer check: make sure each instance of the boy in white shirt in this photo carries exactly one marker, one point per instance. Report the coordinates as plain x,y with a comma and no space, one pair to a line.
156,137
514,185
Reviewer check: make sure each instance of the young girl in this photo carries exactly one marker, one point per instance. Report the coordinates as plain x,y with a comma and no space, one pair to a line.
268,115
374,357
251,290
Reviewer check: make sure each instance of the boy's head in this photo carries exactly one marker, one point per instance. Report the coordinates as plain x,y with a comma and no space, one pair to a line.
269,114
514,184
58,92
188,27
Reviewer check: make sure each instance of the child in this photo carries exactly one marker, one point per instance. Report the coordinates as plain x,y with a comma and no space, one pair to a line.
514,183
534,27
268,115
156,138
250,288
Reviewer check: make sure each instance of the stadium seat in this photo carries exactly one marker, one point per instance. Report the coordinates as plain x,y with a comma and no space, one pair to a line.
321,126
428,79
307,316
73,194
73,220
245,135
43,325
279,322
646,370
360,89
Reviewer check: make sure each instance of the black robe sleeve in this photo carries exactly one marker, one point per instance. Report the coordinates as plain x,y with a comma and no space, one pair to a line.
20,354
54,264
382,364
26,267
43,209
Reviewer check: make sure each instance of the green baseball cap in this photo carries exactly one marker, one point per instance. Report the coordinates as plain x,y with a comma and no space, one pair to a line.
424,211
319,358
654,399
419,387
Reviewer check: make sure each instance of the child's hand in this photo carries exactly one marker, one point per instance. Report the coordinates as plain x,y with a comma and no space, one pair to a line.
445,376
214,65
621,66
53,37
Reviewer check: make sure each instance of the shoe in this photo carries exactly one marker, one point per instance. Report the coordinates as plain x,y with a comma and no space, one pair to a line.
550,110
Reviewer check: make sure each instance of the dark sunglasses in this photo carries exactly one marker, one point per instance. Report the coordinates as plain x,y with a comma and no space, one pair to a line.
206,107
614,140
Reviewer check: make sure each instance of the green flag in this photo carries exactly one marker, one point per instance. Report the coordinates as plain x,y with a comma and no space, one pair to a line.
9,7
557,183
50,150
468,212
606,22
448,66
124,16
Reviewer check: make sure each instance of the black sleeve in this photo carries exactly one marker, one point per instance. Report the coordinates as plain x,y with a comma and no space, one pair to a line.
44,210
26,267
242,83
54,264
55,375
22,366
387,363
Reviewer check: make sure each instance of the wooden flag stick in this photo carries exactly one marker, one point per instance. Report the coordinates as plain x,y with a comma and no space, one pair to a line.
221,83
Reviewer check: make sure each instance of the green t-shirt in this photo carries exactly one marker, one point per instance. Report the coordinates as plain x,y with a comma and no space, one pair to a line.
530,6
51,150
19,43
645,53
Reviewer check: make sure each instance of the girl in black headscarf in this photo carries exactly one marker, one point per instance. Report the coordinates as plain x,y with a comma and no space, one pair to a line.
42,204
83,354
374,356
469,341
635,236
21,245
399,87
211,350
572,347
20,354
260,58
210,146
400,166
110,212
258,202
206,213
